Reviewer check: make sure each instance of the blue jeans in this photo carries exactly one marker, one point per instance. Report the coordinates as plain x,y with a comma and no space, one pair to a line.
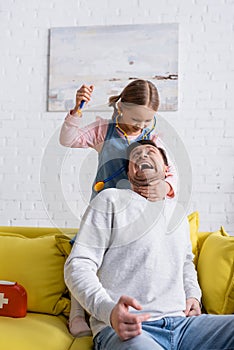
204,332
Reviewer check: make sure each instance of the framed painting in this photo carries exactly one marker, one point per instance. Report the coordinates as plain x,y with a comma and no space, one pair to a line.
109,57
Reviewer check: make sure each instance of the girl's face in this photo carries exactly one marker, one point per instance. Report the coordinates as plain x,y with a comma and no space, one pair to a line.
135,118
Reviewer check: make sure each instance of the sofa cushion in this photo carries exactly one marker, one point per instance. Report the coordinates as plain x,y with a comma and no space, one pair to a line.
35,331
193,219
37,264
39,332
202,236
216,272
64,244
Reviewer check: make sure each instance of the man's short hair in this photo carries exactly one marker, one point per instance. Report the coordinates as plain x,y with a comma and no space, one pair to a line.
145,142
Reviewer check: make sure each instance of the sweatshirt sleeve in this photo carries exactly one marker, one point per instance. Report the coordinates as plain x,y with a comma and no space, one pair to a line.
92,135
191,286
85,259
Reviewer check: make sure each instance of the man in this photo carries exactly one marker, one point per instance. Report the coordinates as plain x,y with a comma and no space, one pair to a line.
134,277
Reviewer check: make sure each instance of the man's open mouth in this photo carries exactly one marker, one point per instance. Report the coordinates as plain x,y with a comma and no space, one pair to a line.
144,166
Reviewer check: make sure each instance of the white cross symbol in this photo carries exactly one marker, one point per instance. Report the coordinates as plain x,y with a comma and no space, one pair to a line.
3,300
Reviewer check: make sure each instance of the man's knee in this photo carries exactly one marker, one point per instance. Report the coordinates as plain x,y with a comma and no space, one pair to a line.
109,340
142,342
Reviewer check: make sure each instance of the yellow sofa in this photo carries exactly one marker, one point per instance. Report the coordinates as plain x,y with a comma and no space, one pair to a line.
31,257
34,257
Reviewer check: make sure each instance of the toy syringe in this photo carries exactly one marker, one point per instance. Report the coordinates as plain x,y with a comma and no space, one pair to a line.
79,112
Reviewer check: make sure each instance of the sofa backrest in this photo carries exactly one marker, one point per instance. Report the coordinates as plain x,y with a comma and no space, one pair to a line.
31,232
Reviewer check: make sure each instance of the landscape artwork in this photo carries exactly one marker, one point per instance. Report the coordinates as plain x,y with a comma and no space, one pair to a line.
109,57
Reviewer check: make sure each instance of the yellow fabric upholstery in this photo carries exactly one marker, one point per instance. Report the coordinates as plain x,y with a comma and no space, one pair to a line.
32,232
39,332
193,219
63,243
38,265
202,236
216,272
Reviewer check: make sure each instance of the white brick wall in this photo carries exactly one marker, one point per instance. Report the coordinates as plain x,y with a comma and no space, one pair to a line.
204,119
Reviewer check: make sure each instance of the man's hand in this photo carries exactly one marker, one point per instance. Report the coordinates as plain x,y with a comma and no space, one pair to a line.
157,190
126,324
192,307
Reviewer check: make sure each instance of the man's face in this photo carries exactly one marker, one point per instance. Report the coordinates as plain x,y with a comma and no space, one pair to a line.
146,164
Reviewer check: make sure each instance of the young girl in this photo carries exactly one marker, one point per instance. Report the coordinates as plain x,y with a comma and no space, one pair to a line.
133,119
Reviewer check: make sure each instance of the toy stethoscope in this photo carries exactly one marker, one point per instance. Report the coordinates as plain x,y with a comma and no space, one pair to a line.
100,184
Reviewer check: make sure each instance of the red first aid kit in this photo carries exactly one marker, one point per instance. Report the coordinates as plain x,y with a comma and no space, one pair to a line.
13,299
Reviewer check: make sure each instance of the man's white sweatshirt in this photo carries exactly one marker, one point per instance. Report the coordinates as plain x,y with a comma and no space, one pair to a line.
124,247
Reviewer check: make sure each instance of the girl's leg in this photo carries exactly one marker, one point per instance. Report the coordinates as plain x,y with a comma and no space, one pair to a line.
77,324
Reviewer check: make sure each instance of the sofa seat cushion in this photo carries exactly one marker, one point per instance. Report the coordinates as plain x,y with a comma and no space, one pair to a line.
35,331
39,332
37,264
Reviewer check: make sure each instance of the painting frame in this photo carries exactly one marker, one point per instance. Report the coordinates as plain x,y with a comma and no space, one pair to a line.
109,57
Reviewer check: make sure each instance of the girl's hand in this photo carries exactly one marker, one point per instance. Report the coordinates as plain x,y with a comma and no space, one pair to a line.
83,94
157,190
